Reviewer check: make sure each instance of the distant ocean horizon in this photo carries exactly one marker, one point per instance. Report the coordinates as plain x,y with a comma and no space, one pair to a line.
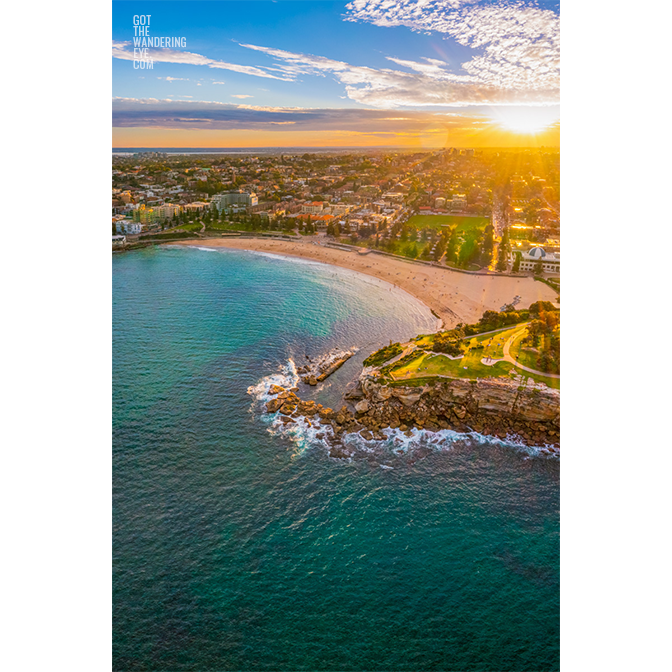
237,546
256,150
123,151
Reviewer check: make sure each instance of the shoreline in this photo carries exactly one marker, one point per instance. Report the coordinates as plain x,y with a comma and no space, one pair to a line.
451,296
397,288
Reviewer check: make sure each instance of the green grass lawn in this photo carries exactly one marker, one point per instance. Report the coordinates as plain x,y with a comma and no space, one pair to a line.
522,355
494,343
222,226
428,365
192,226
437,221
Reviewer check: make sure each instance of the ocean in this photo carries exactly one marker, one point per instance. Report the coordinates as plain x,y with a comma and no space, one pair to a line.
239,545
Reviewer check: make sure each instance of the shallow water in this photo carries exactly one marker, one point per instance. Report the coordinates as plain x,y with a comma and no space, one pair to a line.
240,547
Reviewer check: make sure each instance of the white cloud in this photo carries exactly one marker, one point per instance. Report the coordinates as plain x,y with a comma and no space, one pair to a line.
520,43
241,95
431,84
123,51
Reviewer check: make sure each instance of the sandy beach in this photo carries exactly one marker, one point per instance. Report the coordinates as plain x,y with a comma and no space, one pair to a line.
455,297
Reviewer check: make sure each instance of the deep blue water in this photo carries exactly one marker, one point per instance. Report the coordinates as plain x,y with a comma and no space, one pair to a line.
240,548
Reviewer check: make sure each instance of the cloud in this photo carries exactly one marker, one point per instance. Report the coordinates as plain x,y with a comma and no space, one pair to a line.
515,61
520,43
124,51
219,82
241,95
175,79
430,85
176,115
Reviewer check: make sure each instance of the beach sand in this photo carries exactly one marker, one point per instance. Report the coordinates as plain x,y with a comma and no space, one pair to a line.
455,297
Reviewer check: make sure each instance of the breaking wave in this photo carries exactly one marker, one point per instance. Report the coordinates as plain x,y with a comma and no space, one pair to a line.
311,432
287,377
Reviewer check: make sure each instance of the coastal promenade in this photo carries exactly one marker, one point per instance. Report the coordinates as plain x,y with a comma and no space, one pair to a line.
454,297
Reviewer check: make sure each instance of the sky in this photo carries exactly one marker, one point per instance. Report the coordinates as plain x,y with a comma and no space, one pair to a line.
284,73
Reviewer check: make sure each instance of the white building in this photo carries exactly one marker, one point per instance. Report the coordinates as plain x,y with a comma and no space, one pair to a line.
550,263
233,201
128,227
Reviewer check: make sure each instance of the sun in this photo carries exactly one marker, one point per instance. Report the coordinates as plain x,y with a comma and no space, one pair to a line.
526,120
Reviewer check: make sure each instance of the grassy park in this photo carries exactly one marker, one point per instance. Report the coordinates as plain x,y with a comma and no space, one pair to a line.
423,365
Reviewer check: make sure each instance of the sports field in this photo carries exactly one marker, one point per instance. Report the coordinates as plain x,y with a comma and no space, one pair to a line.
437,221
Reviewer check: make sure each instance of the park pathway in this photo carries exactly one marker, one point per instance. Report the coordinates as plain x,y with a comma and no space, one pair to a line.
509,358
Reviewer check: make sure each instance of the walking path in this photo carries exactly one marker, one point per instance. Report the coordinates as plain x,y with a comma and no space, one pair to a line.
509,358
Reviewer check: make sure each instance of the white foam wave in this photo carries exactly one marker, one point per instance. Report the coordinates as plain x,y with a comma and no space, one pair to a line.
287,377
310,432
288,257
307,432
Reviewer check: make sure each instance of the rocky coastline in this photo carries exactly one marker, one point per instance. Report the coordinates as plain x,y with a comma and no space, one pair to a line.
493,406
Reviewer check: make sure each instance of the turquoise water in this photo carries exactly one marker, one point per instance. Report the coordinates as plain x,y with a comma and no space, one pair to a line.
240,548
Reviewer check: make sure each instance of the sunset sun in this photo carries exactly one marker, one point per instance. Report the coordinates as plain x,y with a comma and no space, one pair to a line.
526,120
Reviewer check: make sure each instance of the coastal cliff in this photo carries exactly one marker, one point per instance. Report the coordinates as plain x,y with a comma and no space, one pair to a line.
495,406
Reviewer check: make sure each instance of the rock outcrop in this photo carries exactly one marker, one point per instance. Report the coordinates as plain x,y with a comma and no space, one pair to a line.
321,367
494,406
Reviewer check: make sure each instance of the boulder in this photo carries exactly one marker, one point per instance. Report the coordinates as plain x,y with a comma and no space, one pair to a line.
362,406
276,389
273,405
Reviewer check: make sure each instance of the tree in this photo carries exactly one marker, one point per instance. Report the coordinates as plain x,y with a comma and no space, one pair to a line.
516,262
539,267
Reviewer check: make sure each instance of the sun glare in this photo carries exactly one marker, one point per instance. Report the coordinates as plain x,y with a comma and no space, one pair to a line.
526,120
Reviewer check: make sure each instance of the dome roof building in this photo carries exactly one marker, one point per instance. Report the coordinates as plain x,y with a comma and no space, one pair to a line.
529,260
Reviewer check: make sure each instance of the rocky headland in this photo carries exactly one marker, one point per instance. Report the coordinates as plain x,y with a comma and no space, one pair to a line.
499,407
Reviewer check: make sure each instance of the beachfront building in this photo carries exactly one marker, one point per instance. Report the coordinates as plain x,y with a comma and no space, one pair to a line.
128,227
118,241
234,201
550,263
